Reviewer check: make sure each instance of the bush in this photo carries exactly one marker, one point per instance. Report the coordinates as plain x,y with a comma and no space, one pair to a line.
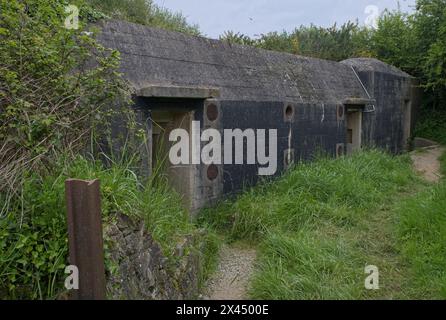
334,43
432,125
56,85
145,12
57,89
33,236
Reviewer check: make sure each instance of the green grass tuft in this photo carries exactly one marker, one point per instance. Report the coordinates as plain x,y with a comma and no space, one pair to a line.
335,190
322,223
422,234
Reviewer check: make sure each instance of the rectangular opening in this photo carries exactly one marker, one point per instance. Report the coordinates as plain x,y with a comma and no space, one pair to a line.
178,176
407,123
354,129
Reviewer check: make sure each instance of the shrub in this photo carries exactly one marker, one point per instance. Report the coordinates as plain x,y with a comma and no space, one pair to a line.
55,86
432,125
145,12
33,236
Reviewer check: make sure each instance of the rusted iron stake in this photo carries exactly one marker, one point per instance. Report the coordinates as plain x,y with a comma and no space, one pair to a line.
85,238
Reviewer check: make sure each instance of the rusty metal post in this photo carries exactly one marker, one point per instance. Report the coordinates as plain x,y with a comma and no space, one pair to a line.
85,237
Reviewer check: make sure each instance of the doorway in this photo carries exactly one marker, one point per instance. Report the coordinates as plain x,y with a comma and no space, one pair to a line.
407,123
354,129
179,177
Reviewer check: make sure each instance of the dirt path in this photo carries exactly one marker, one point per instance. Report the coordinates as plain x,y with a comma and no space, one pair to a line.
230,281
427,163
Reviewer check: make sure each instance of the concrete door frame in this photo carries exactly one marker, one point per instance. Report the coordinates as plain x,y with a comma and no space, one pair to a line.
354,128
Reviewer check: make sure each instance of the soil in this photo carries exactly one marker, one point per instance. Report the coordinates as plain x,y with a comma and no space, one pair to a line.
231,280
426,162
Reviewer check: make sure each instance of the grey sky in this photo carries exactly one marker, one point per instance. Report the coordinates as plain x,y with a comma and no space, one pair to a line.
253,17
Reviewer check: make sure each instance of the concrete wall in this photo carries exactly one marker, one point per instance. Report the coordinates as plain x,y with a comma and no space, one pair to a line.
393,91
314,128
252,89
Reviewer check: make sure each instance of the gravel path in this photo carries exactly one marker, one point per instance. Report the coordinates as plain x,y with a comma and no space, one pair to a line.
230,281
427,163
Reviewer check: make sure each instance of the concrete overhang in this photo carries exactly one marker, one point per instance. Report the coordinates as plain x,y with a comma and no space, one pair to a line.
178,92
359,101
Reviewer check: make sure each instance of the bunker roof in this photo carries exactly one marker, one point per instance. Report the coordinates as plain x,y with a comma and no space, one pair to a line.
155,61
370,64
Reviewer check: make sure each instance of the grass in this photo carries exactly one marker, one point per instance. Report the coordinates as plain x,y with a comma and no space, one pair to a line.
422,238
145,12
33,240
326,190
321,224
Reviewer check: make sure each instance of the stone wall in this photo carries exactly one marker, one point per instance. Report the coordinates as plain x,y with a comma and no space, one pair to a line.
140,270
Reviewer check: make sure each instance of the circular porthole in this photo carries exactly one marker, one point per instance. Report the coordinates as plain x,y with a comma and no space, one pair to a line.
289,113
212,112
341,112
212,172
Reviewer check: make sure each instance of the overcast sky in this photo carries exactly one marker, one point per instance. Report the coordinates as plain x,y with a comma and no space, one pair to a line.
254,17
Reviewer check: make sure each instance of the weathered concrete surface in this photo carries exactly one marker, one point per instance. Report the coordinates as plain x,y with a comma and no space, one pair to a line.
158,57
314,128
255,89
178,92
395,92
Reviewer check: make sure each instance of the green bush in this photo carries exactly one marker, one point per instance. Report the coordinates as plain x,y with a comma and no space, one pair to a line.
33,236
432,125
56,85
145,12
334,43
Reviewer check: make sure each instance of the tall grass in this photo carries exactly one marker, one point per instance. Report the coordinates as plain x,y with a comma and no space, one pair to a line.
319,225
334,190
145,12
422,233
33,238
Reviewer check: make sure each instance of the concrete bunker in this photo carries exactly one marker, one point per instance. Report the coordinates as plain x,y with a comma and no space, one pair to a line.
315,105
